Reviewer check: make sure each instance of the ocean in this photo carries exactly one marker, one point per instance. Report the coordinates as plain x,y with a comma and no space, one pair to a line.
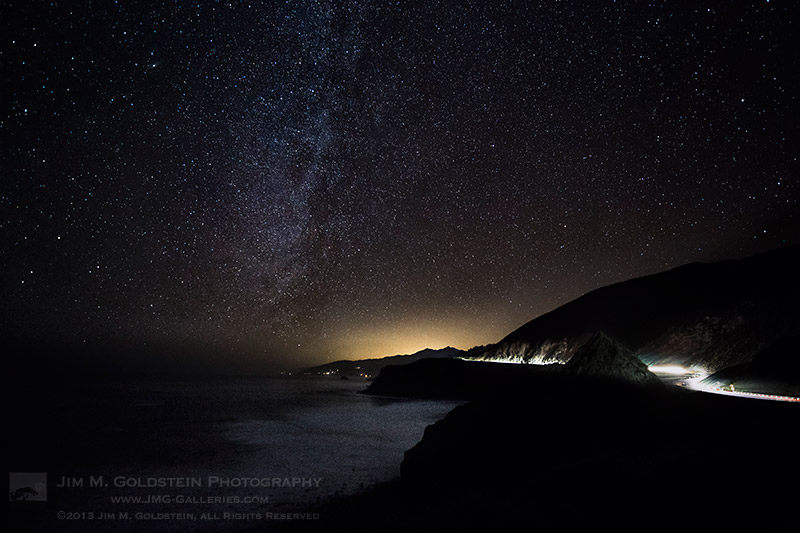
205,454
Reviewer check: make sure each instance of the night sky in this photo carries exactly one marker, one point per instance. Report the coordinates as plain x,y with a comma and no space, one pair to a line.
291,183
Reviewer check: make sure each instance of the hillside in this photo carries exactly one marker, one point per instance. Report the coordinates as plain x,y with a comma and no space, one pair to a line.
708,315
776,370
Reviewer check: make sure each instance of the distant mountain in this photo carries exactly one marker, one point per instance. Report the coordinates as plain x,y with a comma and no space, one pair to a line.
709,315
369,368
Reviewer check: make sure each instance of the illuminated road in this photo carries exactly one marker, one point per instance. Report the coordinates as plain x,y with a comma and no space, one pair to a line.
692,379
756,395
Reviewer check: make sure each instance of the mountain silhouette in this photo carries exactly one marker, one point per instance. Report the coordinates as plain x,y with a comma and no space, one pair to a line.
371,367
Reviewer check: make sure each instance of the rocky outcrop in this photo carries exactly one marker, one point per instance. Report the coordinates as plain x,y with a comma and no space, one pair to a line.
603,357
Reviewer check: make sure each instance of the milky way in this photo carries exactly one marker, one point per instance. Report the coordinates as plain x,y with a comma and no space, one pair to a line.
294,182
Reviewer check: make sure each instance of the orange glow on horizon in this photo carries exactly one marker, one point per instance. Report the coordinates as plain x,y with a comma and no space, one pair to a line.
379,342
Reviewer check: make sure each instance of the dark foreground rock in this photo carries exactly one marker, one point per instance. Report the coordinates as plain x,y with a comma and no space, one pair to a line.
575,454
